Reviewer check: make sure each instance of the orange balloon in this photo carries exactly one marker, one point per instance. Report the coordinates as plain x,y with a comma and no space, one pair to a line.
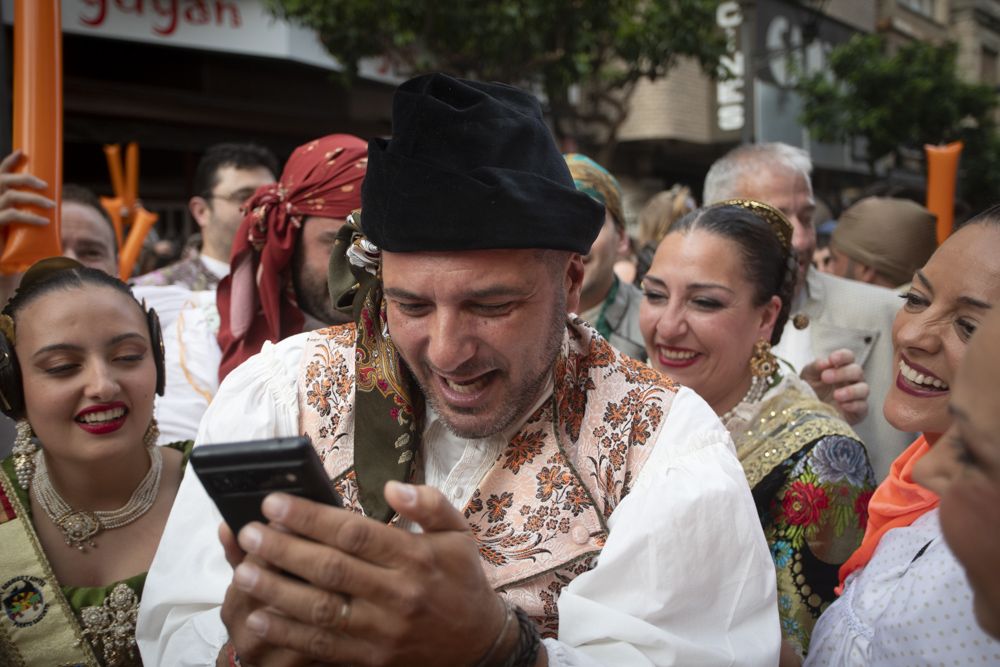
113,153
37,126
131,174
142,222
113,205
942,172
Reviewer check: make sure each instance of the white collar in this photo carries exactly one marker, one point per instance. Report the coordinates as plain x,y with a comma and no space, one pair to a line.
216,267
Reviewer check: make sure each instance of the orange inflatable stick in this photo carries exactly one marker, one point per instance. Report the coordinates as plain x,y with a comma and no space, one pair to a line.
113,153
113,205
37,125
942,172
142,222
131,175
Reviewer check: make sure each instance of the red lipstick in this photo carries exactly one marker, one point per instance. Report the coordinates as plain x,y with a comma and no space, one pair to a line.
106,425
914,389
675,362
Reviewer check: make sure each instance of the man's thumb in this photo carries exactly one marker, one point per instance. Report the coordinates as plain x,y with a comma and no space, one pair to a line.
425,506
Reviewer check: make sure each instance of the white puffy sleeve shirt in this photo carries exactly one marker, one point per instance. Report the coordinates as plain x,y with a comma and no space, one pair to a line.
685,577
189,322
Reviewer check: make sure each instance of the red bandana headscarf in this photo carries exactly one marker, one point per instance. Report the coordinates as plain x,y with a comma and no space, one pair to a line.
256,300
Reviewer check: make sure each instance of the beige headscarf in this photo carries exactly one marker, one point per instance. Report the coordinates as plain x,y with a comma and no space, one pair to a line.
893,236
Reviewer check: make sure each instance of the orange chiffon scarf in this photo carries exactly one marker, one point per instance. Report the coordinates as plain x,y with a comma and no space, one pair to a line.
897,502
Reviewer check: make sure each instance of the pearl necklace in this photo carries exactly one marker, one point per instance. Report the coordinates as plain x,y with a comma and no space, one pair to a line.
754,394
80,526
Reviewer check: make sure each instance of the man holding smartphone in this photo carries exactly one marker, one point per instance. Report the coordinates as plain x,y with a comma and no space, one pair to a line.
548,499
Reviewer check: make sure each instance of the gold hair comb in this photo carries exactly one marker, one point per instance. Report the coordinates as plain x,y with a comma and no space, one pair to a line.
775,219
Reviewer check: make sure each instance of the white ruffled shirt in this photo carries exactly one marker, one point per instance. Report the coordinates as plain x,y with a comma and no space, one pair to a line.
685,577
189,322
910,606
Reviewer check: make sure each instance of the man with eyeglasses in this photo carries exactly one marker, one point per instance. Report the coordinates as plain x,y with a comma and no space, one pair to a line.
184,293
225,178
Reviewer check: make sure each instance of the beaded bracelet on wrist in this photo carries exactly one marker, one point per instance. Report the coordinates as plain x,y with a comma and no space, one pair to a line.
529,642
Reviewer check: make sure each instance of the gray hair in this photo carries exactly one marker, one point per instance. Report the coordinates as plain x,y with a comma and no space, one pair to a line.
724,178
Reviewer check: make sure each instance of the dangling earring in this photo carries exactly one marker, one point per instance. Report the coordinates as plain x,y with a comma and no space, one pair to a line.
24,454
152,434
762,363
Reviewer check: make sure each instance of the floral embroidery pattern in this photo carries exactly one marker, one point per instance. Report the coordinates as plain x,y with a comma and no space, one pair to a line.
814,520
523,449
861,508
497,506
803,503
539,514
840,461
326,391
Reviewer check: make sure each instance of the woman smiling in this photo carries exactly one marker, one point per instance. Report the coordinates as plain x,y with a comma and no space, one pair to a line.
716,298
86,493
965,472
905,596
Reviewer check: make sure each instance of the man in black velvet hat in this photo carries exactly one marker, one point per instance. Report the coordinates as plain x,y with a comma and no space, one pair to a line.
536,482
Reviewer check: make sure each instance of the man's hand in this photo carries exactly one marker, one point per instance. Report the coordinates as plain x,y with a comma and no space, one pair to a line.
839,381
11,197
372,594
251,649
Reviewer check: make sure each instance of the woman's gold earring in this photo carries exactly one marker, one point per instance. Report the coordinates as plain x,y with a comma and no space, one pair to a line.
762,363
152,434
24,454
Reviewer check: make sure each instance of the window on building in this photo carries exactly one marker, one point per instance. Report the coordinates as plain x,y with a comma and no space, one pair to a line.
988,67
925,7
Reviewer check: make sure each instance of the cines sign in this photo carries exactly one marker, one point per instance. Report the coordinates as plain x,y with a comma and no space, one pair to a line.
730,93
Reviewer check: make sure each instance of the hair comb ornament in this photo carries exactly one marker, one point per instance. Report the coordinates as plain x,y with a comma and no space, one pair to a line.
775,219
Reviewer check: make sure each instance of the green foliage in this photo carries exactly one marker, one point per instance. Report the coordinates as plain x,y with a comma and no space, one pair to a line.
893,100
551,45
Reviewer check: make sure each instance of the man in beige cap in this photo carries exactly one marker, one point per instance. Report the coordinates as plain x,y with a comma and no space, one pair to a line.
882,241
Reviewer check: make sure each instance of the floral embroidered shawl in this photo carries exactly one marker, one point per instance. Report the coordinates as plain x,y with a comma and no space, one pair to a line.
811,481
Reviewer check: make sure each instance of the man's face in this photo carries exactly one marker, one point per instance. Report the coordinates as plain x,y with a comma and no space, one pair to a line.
822,259
88,238
789,191
480,330
599,264
310,265
219,214
842,265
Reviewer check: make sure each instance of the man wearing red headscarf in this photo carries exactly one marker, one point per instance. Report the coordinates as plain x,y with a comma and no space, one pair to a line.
277,284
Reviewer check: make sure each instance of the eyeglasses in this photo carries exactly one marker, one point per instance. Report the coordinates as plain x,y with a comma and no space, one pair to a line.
238,198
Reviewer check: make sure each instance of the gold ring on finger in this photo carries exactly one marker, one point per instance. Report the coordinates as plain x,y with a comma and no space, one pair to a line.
343,617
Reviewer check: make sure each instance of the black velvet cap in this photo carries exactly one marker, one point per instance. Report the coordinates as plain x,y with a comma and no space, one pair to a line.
472,166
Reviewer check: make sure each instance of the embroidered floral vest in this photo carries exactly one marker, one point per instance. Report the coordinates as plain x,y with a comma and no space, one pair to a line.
540,513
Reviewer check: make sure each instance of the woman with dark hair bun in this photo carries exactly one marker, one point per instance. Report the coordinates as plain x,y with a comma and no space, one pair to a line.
86,493
716,299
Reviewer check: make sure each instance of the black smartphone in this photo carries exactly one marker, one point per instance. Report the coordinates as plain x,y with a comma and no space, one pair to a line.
238,475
